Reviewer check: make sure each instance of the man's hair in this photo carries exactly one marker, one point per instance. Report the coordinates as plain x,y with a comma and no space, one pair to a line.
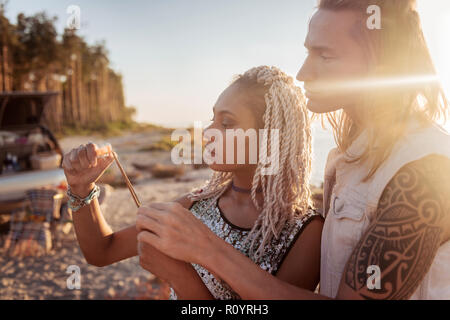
400,52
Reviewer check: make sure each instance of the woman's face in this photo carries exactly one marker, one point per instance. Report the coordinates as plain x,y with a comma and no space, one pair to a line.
233,114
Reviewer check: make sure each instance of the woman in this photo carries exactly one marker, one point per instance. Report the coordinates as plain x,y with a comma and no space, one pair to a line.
267,218
386,192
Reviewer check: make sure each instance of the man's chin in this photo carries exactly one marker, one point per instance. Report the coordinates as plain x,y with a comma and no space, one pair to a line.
320,107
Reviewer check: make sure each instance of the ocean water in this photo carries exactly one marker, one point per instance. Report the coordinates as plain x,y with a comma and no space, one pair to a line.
323,142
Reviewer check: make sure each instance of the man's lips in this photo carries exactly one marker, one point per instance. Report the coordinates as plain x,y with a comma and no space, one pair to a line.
311,94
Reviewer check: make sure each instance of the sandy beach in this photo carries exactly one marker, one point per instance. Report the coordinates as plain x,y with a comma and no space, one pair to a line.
45,277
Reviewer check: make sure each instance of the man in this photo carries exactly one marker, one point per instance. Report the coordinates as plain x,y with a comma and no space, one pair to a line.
387,189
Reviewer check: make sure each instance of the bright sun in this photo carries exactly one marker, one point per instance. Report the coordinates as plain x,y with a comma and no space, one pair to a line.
436,25
444,67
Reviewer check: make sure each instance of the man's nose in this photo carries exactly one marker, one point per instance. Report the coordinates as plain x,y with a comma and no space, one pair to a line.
306,72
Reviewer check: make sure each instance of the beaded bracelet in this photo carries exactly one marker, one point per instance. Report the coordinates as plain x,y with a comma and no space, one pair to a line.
75,202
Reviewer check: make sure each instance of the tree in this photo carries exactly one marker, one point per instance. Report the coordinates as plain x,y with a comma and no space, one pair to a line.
33,59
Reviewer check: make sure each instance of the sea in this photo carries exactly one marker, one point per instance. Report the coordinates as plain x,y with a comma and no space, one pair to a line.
323,142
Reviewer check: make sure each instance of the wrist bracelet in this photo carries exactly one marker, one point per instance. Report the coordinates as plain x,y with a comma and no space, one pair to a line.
75,202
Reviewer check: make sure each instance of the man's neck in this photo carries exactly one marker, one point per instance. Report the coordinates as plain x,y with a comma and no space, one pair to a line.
354,113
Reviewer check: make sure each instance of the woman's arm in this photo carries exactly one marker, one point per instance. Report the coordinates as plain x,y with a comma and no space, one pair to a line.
101,247
181,276
171,229
83,166
424,221
99,244
301,264
253,283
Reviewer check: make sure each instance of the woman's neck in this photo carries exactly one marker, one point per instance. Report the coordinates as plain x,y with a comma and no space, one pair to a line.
242,181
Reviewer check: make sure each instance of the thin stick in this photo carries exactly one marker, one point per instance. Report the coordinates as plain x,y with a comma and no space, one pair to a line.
127,181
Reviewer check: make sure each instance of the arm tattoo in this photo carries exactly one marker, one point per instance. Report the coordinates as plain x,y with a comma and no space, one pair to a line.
411,223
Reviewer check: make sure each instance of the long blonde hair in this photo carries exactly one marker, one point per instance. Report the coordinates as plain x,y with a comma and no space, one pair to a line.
399,51
286,194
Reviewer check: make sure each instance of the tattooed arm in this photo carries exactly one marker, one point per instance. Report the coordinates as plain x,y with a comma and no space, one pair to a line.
411,223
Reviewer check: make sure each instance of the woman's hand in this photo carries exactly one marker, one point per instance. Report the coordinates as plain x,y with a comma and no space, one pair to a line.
180,275
159,264
172,229
83,166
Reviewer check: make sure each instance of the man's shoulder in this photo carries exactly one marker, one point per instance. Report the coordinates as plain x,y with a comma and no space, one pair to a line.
424,186
434,170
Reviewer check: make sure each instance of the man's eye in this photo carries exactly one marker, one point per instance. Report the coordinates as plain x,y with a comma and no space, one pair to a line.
326,57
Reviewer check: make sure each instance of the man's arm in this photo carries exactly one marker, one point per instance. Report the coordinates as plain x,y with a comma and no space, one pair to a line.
411,223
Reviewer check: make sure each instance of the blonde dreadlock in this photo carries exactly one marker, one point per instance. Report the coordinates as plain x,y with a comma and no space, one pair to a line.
286,194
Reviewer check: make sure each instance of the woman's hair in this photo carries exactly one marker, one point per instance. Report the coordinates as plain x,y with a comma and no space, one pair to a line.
398,51
277,104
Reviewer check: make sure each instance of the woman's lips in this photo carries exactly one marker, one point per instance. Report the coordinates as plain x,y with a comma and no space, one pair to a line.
212,153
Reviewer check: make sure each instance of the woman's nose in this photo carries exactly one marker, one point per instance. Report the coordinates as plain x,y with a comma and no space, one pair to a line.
207,136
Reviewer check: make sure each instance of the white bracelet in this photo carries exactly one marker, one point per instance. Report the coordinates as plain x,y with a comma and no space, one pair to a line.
75,202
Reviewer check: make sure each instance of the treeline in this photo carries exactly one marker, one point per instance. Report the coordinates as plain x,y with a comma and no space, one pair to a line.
33,57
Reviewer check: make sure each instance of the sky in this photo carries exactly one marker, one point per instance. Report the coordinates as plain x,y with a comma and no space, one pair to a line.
177,56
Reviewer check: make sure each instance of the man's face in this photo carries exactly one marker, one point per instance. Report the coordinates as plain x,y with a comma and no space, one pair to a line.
334,57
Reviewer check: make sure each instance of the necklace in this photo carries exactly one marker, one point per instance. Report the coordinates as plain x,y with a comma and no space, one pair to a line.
237,189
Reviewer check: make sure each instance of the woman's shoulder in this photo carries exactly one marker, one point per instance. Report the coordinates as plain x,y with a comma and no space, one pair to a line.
199,208
186,201
312,220
302,220
311,214
294,234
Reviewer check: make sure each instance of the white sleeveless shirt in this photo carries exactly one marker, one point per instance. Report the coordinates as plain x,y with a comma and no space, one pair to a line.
350,205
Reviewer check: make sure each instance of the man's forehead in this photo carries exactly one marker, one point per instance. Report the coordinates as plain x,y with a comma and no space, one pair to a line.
327,28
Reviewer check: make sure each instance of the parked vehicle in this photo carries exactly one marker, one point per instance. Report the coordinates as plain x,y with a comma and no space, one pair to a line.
30,155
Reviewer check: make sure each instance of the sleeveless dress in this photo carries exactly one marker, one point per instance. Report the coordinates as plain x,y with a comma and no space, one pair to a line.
269,261
350,205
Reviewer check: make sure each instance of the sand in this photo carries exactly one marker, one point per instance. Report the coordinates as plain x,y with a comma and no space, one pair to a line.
46,277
